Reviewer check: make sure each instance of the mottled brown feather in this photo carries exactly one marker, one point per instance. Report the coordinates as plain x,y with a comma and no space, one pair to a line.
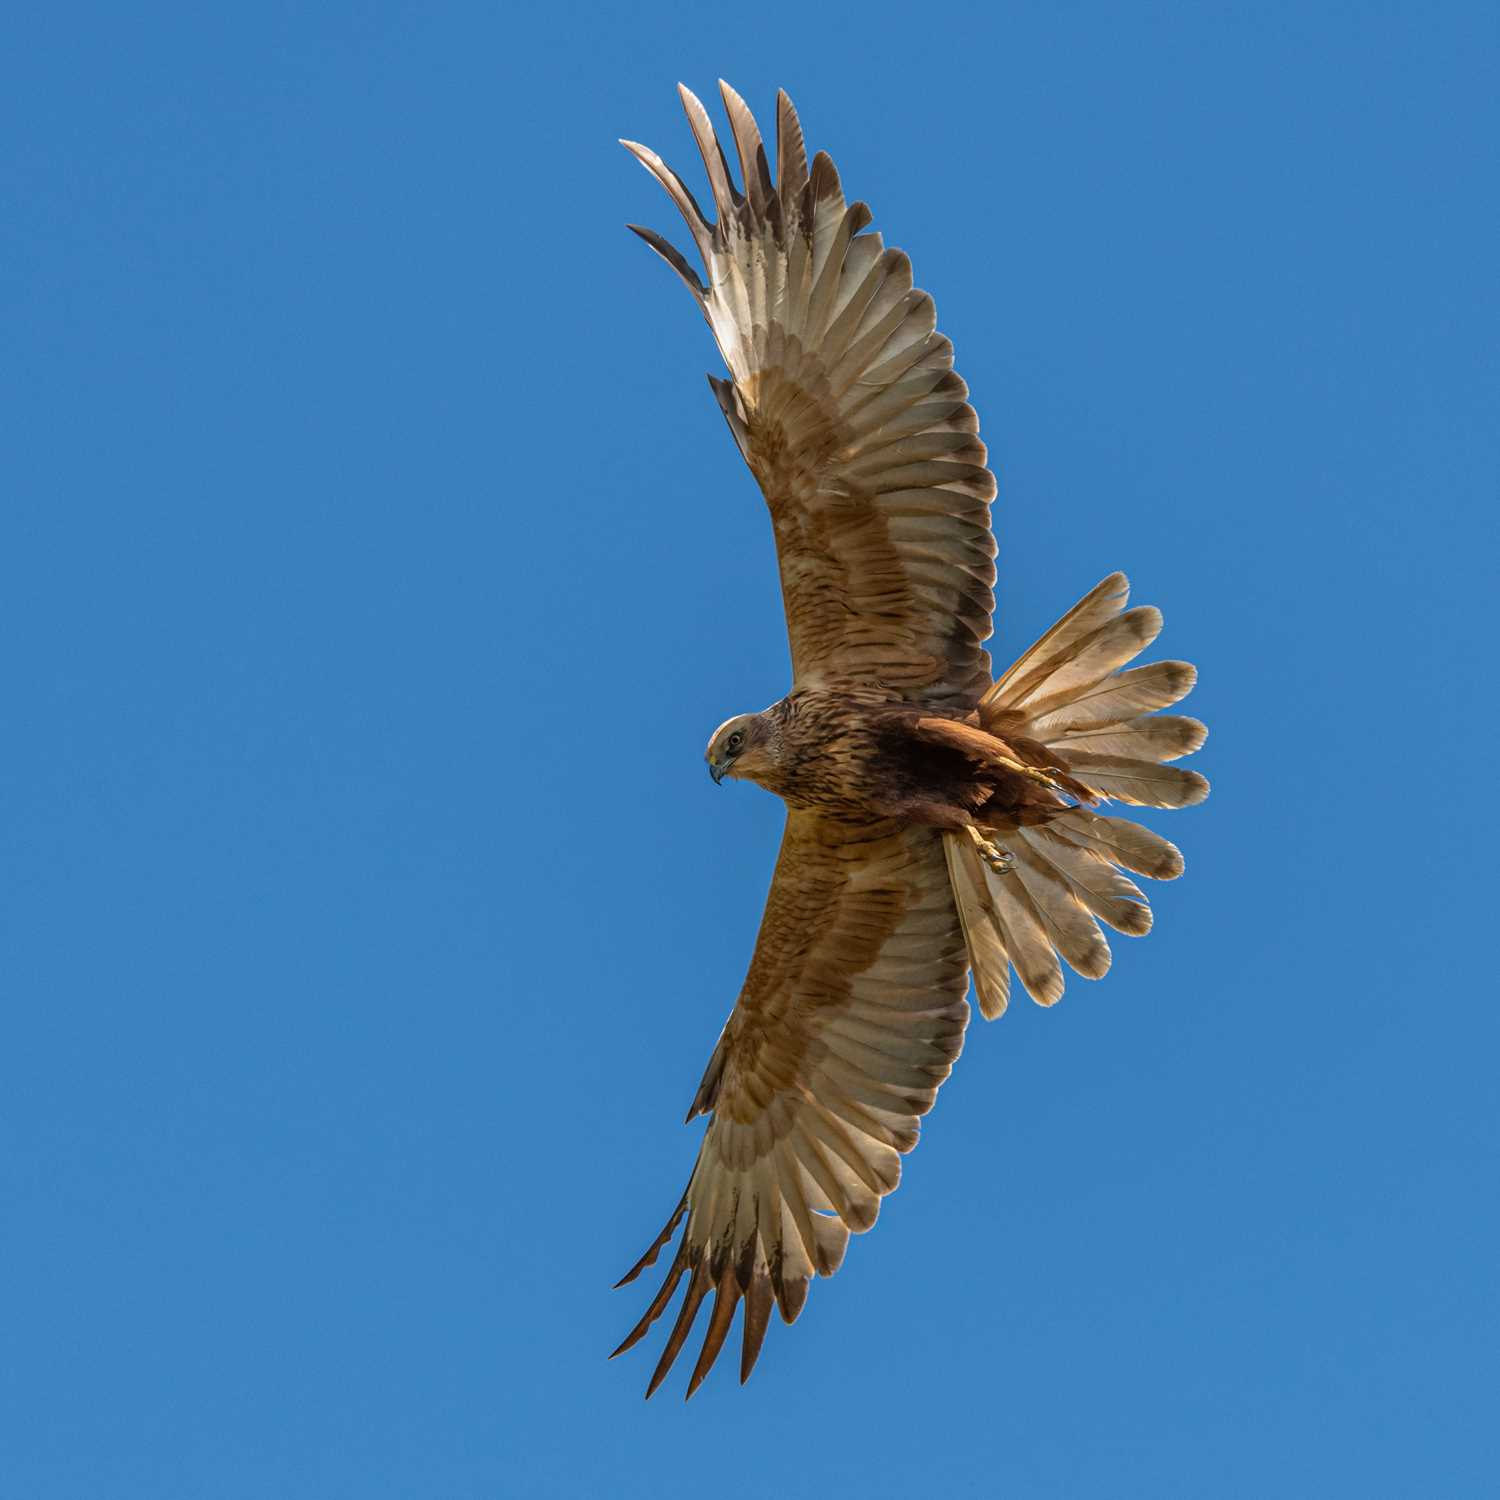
859,973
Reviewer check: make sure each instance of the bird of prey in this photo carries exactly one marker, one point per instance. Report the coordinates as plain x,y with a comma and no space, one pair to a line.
940,821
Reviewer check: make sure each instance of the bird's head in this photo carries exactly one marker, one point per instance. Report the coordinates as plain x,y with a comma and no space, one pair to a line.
743,747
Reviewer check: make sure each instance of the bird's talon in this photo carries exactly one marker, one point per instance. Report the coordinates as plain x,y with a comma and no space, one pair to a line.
1001,861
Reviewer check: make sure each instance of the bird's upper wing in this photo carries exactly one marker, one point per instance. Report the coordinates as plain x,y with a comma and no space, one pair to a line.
851,1016
847,409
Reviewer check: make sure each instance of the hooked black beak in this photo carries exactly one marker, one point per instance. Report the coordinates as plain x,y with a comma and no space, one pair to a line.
716,769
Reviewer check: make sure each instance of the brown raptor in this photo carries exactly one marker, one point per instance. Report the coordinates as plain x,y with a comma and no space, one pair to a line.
940,822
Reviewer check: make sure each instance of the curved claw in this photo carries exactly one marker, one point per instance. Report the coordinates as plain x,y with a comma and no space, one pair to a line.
1001,861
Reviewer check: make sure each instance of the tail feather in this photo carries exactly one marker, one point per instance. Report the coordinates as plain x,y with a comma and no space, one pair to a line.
1094,879
1032,953
1122,842
1097,606
1094,658
1141,690
1069,694
1069,926
1161,738
988,956
1142,783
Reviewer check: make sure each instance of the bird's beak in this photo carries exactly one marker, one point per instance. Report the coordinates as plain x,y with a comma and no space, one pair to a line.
716,769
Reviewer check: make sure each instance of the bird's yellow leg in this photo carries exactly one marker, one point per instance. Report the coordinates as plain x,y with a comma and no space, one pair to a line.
1001,861
1031,773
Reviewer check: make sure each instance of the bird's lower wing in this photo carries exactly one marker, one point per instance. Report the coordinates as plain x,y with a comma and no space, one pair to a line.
850,1018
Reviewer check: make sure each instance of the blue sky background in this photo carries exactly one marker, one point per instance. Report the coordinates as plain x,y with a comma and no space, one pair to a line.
374,566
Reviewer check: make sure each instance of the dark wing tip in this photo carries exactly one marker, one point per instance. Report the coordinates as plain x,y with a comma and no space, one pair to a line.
726,1299
655,1249
692,1300
673,257
758,1304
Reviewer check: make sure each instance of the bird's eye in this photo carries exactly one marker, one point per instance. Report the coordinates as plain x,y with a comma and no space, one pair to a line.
735,741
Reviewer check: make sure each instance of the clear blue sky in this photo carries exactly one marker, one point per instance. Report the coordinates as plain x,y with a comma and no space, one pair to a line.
374,564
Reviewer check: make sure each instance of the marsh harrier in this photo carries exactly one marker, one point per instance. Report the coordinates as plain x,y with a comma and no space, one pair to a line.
940,821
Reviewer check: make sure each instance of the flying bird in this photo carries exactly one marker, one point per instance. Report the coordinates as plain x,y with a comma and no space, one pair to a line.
941,822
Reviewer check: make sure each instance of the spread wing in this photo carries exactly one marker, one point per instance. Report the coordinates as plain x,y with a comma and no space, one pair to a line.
850,1018
845,404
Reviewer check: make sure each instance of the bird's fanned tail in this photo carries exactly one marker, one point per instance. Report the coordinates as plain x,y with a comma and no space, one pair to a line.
1069,694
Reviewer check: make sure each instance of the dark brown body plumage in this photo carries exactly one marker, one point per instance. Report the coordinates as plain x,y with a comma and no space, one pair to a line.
844,757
